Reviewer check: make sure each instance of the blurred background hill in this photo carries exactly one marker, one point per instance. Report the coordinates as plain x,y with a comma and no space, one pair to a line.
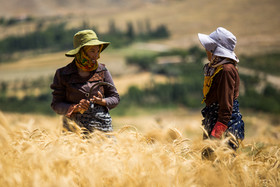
254,22
154,47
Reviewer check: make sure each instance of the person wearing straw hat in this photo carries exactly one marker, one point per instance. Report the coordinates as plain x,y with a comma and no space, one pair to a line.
221,88
75,95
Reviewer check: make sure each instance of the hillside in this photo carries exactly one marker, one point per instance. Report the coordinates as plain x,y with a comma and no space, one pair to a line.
254,22
184,19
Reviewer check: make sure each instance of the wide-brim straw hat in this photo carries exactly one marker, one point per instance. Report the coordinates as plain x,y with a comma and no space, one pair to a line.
85,38
221,43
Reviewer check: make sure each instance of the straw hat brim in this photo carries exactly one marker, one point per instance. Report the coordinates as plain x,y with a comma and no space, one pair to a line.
73,52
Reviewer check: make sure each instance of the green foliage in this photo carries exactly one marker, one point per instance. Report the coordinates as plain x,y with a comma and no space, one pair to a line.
15,20
183,89
268,63
160,32
120,38
145,62
57,37
130,31
187,90
197,55
29,104
250,81
267,101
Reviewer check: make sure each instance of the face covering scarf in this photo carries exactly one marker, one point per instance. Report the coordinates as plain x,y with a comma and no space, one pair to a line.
84,62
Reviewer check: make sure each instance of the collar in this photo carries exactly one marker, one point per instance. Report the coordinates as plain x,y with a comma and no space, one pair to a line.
221,62
71,68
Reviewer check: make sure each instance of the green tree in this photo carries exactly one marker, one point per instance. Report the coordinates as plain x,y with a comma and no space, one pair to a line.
130,31
112,27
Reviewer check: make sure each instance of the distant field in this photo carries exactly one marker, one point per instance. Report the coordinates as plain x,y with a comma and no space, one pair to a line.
32,66
45,65
254,22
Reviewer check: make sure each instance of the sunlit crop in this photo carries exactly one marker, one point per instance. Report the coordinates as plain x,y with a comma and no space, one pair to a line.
47,156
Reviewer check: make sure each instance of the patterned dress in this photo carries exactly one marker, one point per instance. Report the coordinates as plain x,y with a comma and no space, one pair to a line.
235,124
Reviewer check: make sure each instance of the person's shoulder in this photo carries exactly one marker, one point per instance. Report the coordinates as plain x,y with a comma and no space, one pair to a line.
68,69
229,67
230,70
101,67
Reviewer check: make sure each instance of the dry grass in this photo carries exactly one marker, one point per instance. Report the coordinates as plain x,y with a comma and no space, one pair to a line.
37,153
140,80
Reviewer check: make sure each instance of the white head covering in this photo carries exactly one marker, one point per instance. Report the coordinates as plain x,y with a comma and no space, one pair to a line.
220,42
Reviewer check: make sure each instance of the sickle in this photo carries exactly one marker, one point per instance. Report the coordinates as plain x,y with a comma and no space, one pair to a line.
97,84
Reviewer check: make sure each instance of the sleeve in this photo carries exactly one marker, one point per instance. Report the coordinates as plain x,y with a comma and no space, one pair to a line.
59,105
111,94
225,94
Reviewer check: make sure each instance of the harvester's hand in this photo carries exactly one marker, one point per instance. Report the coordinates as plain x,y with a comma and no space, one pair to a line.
99,99
82,106
218,130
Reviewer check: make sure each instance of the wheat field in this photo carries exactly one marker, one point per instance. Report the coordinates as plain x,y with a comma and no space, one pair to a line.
36,152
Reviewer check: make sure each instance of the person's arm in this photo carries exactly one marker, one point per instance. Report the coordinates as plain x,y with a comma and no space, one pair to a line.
59,103
111,95
225,94
59,94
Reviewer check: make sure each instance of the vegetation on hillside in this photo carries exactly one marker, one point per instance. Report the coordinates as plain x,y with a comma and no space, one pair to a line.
186,90
183,67
6,22
57,37
26,96
266,63
184,87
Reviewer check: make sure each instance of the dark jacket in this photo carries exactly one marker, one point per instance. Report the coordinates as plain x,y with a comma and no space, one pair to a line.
69,87
224,90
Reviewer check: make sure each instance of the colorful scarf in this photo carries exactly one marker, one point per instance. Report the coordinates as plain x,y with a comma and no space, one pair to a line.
84,62
211,67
